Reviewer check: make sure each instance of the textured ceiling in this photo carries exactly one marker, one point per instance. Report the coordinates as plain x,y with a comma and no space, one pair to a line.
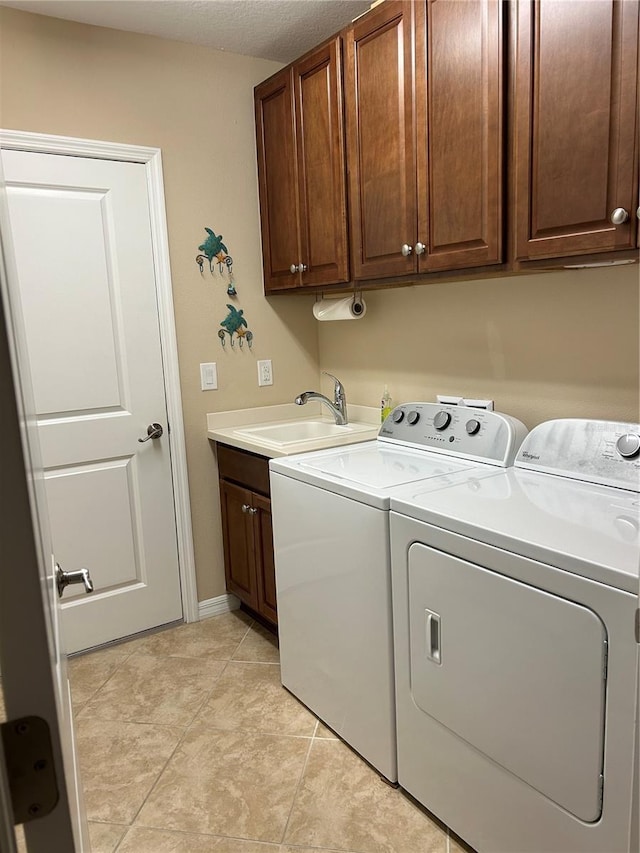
271,29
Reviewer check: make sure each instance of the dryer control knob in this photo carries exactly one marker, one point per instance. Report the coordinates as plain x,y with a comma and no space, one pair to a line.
397,416
628,445
413,418
442,420
472,426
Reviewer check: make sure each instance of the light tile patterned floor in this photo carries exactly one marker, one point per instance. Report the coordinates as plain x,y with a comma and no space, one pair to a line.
189,744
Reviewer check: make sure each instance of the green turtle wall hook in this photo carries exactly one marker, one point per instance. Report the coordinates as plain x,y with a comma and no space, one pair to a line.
213,249
235,324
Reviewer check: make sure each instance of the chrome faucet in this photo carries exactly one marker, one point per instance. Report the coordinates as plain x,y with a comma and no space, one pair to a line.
338,406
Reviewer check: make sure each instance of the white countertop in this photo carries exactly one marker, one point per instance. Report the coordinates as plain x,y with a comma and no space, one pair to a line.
224,427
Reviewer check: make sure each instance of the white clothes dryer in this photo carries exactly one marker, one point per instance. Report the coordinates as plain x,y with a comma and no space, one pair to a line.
330,513
515,602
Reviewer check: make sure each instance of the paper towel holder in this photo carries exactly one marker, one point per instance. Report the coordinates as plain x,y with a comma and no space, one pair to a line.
357,305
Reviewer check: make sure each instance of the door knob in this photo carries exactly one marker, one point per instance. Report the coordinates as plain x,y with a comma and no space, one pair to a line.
619,216
406,250
153,431
63,579
420,248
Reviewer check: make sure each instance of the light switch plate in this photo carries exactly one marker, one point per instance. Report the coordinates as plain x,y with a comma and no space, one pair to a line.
209,376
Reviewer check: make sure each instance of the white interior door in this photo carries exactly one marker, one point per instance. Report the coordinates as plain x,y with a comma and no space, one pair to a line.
34,675
82,238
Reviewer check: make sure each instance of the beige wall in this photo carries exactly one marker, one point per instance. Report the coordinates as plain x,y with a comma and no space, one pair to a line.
551,345
197,106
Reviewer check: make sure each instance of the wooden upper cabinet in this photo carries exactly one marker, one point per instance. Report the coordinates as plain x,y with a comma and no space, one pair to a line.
574,124
434,203
277,180
322,180
380,141
302,172
460,109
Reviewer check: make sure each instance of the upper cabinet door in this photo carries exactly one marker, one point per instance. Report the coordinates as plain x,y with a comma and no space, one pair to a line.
574,123
321,166
459,106
278,181
380,141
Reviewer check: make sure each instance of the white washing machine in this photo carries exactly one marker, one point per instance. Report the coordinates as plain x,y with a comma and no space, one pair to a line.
330,514
515,599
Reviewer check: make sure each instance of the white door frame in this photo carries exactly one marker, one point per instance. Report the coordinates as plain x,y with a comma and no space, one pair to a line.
151,158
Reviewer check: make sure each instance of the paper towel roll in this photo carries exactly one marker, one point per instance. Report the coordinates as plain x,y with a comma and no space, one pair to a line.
347,308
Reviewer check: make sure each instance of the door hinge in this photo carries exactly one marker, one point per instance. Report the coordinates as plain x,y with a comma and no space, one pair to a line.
31,771
638,625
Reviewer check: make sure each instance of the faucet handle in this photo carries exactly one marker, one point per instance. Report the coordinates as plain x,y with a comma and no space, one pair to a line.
338,390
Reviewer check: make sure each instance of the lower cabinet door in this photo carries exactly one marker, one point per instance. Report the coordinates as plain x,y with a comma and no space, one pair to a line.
265,564
239,544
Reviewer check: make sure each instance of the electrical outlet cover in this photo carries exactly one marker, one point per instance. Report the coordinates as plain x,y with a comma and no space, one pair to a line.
448,400
265,372
479,404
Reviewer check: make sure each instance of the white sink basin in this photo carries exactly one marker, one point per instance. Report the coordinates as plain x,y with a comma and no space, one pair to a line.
293,432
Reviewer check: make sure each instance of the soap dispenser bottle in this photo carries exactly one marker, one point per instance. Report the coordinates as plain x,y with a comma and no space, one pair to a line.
386,404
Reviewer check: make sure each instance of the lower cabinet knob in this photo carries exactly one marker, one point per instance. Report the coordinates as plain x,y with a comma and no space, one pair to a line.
420,248
619,216
406,250
293,269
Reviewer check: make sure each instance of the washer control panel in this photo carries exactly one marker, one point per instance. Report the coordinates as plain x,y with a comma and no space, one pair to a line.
455,430
606,452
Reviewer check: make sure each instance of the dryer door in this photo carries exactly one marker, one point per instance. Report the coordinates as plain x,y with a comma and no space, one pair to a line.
518,673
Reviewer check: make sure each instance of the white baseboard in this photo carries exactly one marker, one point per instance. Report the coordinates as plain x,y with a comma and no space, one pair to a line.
216,606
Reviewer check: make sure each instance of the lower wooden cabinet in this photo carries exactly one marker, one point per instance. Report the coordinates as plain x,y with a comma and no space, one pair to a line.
246,529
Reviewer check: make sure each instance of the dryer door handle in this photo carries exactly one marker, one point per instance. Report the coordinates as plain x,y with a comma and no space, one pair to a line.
434,646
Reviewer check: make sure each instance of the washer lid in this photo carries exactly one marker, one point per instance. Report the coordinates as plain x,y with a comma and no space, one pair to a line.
588,529
368,471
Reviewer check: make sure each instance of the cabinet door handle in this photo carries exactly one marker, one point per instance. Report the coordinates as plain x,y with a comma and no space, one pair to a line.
619,216
420,248
294,268
250,509
406,250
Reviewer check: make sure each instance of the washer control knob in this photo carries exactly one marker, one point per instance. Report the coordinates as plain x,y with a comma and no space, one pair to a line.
472,426
397,416
442,420
413,418
628,445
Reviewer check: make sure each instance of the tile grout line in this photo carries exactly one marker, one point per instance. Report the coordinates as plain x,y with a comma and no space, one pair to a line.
95,692
173,752
184,734
298,786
